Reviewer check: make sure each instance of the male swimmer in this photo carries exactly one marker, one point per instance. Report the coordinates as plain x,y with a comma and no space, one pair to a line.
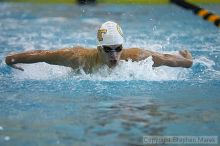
109,52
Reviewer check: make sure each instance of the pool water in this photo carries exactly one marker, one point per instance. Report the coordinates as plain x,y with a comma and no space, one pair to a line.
51,105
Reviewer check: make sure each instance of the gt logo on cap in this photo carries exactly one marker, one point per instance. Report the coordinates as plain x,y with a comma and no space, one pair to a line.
100,32
119,30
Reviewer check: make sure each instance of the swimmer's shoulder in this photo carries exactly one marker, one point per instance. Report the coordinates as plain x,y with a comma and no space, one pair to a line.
79,51
135,54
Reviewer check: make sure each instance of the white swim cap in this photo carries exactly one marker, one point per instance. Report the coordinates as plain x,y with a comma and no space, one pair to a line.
110,33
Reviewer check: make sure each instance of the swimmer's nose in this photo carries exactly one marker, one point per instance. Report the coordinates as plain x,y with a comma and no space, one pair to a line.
113,55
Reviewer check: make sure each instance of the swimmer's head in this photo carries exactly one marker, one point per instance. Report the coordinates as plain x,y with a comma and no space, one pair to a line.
110,33
110,42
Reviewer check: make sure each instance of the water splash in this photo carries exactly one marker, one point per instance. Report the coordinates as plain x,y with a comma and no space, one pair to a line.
126,70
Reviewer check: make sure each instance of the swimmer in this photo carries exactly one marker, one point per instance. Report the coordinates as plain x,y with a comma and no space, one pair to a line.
109,52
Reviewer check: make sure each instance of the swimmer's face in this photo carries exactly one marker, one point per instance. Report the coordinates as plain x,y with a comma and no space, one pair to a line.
111,54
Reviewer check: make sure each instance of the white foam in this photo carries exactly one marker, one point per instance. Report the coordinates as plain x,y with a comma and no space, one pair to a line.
49,19
126,70
92,21
142,70
41,71
207,70
205,61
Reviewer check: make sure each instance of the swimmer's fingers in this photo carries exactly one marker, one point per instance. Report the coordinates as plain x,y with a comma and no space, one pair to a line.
11,62
17,67
155,65
157,61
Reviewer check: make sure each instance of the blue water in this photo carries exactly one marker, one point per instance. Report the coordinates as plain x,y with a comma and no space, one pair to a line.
49,105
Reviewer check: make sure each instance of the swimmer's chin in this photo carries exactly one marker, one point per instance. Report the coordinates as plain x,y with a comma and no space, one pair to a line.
112,64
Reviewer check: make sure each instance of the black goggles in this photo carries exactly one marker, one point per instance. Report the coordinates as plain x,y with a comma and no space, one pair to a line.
112,48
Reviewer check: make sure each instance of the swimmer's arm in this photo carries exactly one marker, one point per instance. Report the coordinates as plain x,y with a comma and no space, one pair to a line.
58,57
137,54
183,59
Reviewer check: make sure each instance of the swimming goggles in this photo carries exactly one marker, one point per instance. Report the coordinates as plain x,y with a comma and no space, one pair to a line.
113,48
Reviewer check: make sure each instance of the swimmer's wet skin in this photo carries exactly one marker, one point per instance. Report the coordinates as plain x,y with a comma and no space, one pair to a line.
109,52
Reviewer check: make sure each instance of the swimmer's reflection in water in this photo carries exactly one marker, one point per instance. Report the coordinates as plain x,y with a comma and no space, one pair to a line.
109,52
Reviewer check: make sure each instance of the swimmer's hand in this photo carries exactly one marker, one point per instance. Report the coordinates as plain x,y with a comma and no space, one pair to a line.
58,57
10,61
17,67
158,60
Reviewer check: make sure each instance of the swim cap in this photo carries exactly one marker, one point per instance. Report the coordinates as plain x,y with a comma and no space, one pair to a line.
110,33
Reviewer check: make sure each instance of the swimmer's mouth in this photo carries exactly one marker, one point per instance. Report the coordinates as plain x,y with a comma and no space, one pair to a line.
113,63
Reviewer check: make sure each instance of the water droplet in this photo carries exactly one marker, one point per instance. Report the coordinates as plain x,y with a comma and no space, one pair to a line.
6,138
1,128
154,28
57,142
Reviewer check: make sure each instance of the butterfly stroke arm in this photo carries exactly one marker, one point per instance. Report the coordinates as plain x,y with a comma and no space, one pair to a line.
58,57
183,59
